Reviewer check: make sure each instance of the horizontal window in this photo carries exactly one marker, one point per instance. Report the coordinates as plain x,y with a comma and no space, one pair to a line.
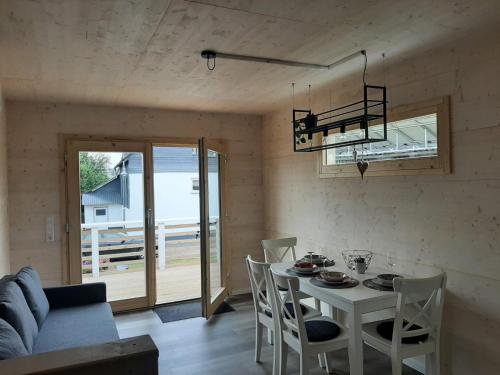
412,138
417,143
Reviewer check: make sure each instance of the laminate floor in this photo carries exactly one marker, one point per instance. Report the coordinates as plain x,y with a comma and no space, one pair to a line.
225,345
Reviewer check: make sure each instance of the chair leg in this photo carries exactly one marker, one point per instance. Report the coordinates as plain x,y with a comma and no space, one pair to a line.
432,364
437,362
428,365
277,355
327,366
270,336
283,357
305,364
320,359
258,341
397,366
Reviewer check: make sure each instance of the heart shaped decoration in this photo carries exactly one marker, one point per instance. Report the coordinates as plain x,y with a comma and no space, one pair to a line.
362,166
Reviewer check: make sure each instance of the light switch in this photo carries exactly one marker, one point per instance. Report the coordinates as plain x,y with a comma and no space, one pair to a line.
50,229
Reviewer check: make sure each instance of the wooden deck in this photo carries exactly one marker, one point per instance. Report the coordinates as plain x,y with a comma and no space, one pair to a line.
176,283
180,279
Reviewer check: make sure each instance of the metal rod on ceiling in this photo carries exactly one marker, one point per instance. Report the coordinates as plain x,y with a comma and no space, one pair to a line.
209,54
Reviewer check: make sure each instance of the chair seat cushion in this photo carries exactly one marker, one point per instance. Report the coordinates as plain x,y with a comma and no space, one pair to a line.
76,326
31,285
15,311
11,344
289,308
320,330
385,329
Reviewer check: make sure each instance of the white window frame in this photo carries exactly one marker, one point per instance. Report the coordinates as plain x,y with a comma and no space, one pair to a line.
439,164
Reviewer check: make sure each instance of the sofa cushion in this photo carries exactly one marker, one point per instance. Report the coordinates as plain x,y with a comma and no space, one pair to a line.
76,326
15,310
31,285
11,344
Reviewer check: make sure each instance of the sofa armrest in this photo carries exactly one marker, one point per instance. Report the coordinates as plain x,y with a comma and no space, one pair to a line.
133,356
75,295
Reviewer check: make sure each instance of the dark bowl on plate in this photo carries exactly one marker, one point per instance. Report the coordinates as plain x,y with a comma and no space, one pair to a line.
304,267
386,278
333,276
315,258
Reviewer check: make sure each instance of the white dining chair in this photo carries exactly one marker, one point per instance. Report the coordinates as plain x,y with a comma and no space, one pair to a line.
416,328
280,250
263,310
283,250
309,338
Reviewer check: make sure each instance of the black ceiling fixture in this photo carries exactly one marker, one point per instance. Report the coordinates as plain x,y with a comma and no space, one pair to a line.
350,123
310,130
212,55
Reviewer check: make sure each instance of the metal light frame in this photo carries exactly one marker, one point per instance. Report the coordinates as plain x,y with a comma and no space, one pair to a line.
359,113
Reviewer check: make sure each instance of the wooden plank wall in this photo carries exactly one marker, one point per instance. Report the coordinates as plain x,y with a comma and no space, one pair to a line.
431,223
34,172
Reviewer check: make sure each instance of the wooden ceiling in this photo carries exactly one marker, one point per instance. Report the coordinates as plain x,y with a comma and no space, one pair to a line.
147,52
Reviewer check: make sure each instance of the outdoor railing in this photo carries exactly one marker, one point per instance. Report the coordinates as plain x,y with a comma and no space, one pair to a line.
119,246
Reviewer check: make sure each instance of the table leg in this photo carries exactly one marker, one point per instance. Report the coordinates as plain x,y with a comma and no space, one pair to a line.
355,342
333,312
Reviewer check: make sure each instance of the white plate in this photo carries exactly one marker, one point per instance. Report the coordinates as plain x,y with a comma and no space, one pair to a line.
346,280
305,271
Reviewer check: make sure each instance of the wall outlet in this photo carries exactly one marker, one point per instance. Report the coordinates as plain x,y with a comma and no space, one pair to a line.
50,235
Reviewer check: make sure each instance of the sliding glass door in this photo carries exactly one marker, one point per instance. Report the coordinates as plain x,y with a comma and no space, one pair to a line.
212,163
177,222
108,221
147,219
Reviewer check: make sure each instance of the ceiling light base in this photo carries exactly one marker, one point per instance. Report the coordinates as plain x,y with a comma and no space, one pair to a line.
208,54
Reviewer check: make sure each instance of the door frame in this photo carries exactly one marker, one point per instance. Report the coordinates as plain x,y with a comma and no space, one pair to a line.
73,206
209,305
71,269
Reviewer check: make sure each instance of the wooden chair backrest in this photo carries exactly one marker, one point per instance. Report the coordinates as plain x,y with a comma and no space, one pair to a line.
279,250
258,283
285,321
420,301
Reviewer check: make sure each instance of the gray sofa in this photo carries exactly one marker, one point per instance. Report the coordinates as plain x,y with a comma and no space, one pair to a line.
67,329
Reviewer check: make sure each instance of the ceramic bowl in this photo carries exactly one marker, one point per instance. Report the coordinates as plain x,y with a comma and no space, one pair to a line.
386,278
316,259
304,267
333,276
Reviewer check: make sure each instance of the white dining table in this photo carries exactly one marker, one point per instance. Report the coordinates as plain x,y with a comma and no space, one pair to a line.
354,302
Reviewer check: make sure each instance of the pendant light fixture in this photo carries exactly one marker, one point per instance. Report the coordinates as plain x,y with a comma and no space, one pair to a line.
349,125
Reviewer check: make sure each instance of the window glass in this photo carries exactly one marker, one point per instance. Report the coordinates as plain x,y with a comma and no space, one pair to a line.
100,212
410,138
196,185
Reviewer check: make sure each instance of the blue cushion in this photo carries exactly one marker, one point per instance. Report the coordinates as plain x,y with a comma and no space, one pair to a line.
76,326
15,311
11,344
75,295
385,329
31,285
320,330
